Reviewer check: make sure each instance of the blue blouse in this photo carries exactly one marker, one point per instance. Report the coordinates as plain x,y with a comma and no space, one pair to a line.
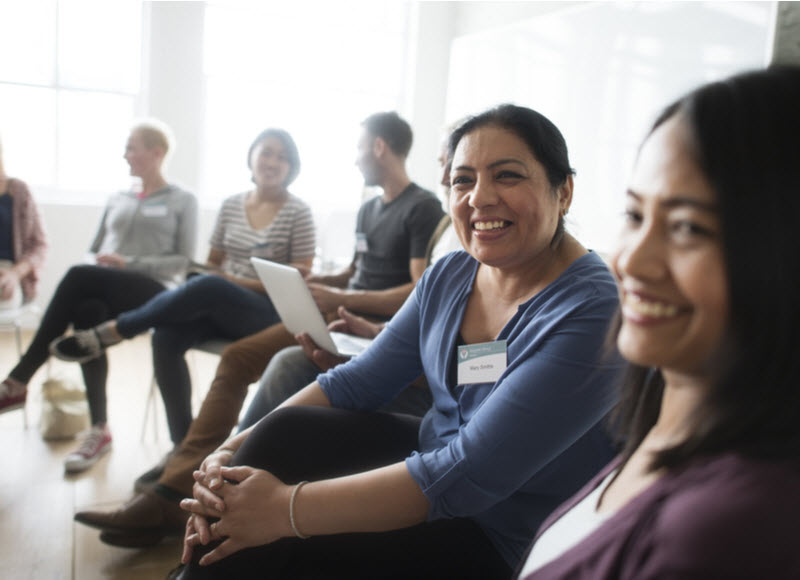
506,453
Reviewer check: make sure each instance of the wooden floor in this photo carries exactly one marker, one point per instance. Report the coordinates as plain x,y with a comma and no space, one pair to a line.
38,538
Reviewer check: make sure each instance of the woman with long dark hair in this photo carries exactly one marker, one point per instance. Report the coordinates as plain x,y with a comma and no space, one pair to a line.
708,268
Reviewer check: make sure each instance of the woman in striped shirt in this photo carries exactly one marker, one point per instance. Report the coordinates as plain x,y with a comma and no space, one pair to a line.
227,301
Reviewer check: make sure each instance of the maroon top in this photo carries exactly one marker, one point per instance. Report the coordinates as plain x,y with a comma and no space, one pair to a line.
728,517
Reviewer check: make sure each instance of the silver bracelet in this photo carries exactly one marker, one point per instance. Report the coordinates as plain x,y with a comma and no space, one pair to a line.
291,511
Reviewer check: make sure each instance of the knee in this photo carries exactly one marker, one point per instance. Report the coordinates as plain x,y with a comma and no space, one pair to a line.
231,351
273,438
233,355
285,421
290,356
89,313
204,284
168,340
76,272
249,354
283,425
75,277
289,371
290,363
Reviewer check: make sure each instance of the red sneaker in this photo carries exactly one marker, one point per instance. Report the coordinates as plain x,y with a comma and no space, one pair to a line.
96,444
12,395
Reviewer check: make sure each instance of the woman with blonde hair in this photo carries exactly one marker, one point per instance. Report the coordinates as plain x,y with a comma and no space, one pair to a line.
143,244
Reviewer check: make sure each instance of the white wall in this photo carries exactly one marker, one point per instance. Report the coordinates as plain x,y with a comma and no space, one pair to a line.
173,82
173,91
479,16
433,28
601,71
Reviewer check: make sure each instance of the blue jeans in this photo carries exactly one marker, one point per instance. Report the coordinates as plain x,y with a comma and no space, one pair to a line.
203,308
290,370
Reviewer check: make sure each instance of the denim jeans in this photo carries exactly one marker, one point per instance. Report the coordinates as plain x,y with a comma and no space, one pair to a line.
290,370
203,308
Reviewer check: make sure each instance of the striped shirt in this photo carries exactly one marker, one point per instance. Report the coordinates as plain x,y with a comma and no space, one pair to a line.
288,238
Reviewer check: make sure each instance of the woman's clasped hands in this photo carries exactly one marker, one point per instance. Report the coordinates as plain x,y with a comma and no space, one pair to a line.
239,506
9,282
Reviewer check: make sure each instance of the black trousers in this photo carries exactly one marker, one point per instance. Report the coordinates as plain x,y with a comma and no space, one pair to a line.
85,297
312,443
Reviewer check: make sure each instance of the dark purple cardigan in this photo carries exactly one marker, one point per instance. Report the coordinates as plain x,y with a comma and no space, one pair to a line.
728,517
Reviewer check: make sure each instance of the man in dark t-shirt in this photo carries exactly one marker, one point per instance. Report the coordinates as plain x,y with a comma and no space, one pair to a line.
392,230
391,235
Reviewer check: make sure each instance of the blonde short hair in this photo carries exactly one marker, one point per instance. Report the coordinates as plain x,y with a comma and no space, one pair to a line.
154,133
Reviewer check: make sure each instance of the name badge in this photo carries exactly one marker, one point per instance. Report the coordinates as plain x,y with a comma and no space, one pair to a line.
159,210
361,242
481,363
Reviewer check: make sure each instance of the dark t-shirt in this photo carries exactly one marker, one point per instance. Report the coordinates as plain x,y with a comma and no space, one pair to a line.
389,235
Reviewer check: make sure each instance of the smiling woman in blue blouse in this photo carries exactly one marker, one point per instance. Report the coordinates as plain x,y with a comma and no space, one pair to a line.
508,333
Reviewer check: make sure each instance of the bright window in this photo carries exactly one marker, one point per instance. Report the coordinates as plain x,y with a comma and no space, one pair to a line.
273,64
69,79
601,72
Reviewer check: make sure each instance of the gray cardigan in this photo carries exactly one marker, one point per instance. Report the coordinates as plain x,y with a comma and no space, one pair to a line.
156,235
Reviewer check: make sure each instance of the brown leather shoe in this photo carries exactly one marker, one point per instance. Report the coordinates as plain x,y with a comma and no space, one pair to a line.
144,514
133,539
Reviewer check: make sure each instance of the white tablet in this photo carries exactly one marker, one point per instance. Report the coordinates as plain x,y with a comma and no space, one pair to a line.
298,311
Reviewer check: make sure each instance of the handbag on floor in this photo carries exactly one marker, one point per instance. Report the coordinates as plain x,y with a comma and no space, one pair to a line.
65,412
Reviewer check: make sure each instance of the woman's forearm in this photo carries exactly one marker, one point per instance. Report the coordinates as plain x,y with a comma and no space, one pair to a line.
380,500
310,396
22,268
304,266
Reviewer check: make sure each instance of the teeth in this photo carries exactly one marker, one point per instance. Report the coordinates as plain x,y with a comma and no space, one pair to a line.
484,226
651,309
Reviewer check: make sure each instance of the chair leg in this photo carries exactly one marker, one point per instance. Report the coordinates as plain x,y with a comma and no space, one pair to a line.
18,337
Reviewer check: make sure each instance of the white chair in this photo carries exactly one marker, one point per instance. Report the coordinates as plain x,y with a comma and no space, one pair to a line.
13,319
213,346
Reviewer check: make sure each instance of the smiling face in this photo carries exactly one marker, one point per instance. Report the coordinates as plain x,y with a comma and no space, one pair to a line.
269,164
142,160
670,261
505,211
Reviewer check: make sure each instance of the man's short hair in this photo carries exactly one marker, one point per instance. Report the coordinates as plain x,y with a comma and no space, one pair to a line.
392,129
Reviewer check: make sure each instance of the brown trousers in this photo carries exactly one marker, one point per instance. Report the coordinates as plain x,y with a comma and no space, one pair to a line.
242,363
